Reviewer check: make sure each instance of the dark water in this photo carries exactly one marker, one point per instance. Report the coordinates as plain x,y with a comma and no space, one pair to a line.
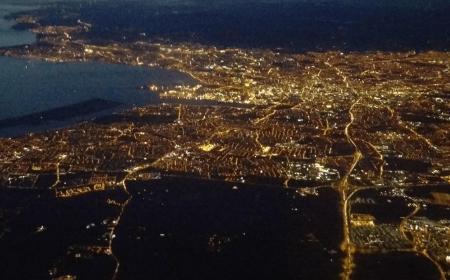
8,36
290,25
30,86
193,229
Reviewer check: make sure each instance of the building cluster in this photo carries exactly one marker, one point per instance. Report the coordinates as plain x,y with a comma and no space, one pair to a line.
433,237
345,120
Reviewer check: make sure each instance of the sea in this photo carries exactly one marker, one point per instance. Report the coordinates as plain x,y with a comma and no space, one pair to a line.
31,86
173,228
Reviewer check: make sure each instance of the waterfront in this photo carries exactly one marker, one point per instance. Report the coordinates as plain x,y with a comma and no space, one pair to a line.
9,36
332,164
31,86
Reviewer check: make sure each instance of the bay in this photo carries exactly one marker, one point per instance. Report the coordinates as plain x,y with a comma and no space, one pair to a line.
28,87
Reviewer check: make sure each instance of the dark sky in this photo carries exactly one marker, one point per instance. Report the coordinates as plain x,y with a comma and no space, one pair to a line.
298,25
397,3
